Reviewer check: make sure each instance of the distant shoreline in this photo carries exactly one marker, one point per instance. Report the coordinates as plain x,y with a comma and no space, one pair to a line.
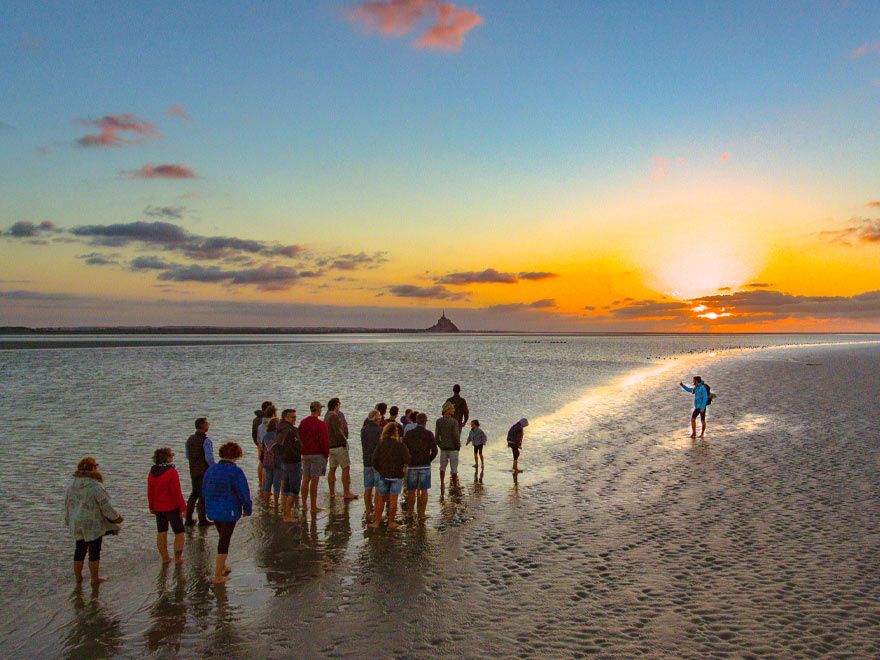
215,330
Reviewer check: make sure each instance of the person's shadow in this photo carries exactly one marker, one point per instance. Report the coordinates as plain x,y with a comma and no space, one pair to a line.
168,613
94,632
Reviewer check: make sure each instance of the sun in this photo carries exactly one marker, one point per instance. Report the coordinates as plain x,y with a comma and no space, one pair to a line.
695,266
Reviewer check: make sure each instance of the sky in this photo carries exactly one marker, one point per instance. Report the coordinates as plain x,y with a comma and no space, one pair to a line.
536,166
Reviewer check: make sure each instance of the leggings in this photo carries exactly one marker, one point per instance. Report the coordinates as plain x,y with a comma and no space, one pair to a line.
225,529
93,547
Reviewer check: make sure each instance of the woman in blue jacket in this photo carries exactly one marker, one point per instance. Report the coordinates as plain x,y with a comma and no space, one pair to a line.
227,498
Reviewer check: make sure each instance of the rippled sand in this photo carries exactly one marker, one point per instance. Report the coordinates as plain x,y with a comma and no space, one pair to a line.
624,538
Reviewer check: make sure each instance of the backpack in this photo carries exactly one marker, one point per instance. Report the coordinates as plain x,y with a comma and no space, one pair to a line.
709,395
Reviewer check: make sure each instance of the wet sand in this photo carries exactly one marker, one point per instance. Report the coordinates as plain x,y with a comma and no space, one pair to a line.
623,539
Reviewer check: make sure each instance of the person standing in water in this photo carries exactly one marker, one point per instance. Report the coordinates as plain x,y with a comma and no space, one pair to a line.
89,515
258,439
422,450
200,454
461,413
371,433
337,427
166,503
477,437
291,462
315,441
514,441
390,459
227,498
701,400
448,435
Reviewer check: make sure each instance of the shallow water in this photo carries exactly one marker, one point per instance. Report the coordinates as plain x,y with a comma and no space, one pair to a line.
608,470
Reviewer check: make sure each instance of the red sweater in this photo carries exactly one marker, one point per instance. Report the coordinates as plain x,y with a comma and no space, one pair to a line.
315,437
163,489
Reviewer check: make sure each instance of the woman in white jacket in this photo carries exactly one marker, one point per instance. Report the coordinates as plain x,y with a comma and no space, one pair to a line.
89,515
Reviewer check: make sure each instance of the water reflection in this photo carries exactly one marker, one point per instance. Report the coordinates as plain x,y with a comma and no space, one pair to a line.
95,632
168,613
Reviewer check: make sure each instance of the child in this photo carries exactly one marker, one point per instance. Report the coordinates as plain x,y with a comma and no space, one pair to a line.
478,437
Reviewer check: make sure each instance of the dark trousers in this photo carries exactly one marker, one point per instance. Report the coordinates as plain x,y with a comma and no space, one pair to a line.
196,500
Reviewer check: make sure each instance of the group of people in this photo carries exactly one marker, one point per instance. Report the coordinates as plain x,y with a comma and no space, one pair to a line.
397,454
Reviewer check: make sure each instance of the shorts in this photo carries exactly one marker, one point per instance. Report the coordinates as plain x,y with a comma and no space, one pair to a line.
451,457
478,449
313,466
293,476
165,518
515,451
701,412
93,548
339,456
418,478
273,477
370,476
388,486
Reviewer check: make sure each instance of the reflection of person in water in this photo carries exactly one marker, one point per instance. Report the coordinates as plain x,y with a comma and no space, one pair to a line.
94,633
168,614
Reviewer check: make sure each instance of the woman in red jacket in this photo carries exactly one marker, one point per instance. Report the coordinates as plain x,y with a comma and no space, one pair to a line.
166,503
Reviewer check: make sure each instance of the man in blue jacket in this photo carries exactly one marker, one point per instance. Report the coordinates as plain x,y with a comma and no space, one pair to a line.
701,400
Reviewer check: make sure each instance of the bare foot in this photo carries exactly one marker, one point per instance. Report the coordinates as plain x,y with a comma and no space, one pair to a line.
332,493
373,525
424,517
227,571
474,465
166,559
393,525
99,580
221,580
289,519
78,578
693,435
315,509
178,560
350,496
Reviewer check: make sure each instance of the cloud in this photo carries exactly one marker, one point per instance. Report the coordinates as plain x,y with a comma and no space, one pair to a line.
650,310
725,157
544,303
111,126
490,275
536,275
169,171
873,204
150,262
866,49
36,295
447,33
436,292
97,259
353,261
395,18
662,166
177,110
759,285
175,212
865,230
24,229
162,233
267,277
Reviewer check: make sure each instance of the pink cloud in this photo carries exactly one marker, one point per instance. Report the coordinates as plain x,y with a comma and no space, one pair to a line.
399,17
447,33
866,49
149,171
873,204
111,126
724,157
177,110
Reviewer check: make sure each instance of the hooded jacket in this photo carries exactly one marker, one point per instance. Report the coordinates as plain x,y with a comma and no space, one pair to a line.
390,457
289,442
226,492
88,512
163,489
422,446
701,396
515,435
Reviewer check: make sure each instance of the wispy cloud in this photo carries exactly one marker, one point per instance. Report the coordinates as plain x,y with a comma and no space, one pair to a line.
488,276
435,292
98,259
723,158
544,303
352,261
150,262
112,126
448,26
864,230
759,285
177,110
25,229
869,48
536,275
170,171
175,212
267,277
873,204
